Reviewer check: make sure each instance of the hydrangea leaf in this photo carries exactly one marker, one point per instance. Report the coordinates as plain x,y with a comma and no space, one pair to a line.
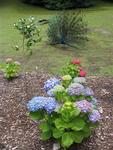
86,131
78,137
45,127
46,136
60,124
57,133
38,115
77,124
67,139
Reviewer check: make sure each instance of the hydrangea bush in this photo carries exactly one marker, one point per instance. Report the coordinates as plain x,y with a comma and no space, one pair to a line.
70,111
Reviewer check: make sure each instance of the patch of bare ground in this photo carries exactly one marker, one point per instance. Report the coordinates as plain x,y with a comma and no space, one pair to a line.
18,132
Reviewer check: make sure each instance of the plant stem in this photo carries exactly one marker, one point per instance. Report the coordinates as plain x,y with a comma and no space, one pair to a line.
23,43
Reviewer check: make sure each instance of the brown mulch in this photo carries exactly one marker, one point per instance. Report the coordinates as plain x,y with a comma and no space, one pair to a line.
18,132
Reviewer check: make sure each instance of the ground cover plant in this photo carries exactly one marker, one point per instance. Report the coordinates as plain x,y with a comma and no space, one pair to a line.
70,111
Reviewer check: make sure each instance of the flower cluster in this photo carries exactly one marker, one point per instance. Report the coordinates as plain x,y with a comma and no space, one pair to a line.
80,80
94,116
51,83
66,78
88,92
75,89
84,106
39,103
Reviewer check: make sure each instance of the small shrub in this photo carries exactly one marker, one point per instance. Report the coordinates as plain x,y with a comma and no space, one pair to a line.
10,68
74,69
30,32
67,28
70,112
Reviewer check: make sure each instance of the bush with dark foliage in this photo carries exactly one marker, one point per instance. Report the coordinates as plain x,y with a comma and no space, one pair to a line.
34,2
66,4
62,4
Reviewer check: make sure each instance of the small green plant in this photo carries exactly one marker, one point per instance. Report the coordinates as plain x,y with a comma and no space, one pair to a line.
10,68
30,32
67,28
74,69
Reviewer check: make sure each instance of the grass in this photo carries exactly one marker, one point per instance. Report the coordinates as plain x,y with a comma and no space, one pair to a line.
96,55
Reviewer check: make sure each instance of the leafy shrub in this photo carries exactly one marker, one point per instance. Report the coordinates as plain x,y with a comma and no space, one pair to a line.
74,69
29,30
67,28
69,113
61,4
10,68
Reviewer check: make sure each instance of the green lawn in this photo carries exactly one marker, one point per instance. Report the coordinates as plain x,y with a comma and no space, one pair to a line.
97,55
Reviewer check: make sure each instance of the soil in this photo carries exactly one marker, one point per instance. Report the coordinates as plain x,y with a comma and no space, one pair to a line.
19,132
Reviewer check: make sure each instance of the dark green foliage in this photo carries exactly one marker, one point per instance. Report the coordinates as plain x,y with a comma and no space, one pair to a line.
65,4
67,28
62,4
34,2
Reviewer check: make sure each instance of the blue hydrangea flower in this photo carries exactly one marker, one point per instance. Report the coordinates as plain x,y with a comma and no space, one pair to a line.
49,84
75,89
42,103
51,105
36,103
84,106
88,92
94,116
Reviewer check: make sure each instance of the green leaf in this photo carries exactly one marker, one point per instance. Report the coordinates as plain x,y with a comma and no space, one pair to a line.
77,112
60,124
78,137
36,115
94,125
57,133
86,131
45,127
77,124
67,139
46,136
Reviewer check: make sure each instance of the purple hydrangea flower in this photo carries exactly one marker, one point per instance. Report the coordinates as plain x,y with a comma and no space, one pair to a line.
49,84
51,105
84,106
95,116
36,103
88,92
75,89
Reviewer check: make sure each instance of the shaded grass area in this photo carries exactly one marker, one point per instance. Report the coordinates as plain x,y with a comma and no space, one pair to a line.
96,55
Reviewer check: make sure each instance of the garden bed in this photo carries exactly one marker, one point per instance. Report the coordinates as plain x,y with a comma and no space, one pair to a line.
18,132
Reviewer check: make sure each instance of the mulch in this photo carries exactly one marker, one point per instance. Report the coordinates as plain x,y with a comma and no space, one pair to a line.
19,132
